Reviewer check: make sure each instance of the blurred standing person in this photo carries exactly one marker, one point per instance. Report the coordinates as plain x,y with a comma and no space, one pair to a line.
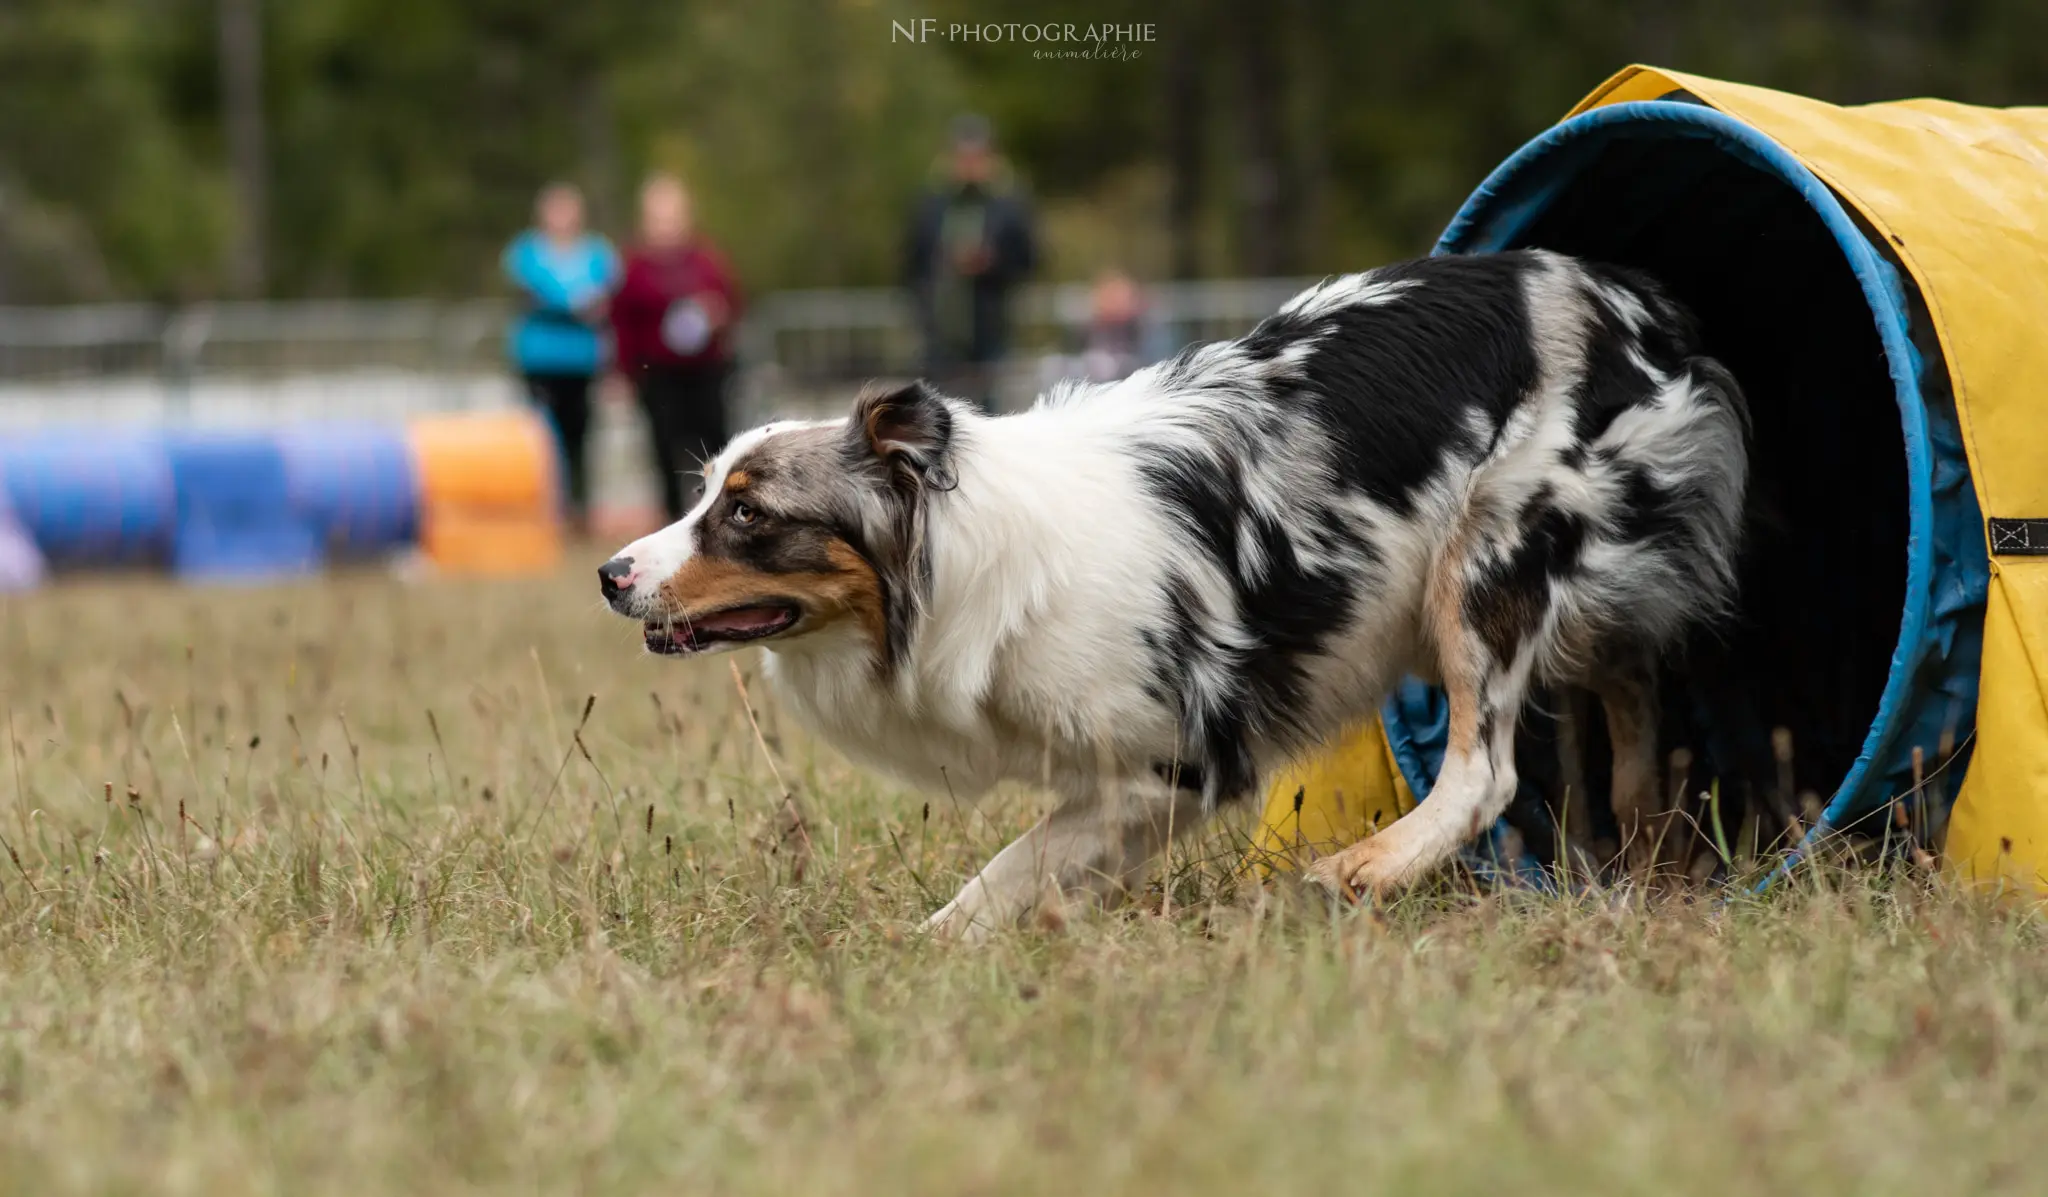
564,274
1122,335
970,243
674,315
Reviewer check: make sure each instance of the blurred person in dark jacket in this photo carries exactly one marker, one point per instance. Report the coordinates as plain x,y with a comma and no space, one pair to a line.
970,243
674,315
563,274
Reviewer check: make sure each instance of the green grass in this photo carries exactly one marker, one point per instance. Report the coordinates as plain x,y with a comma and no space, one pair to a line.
389,952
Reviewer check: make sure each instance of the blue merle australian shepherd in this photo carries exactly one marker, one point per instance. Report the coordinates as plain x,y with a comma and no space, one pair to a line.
1497,472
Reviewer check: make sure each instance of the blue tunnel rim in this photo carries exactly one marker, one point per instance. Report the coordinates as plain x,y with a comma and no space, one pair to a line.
1520,190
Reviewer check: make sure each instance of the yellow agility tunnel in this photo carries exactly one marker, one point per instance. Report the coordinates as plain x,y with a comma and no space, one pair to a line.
1877,278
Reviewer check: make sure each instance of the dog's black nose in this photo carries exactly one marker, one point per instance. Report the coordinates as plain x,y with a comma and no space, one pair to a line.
615,576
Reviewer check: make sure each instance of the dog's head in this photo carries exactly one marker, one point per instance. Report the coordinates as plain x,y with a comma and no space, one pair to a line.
801,528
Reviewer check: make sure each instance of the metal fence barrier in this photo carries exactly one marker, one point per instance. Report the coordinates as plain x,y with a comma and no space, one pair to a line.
800,349
250,339
801,353
223,361
242,362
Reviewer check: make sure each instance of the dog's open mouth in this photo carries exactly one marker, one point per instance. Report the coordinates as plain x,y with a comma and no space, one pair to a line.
677,636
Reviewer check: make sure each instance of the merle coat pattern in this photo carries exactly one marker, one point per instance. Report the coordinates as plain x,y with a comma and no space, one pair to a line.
1497,472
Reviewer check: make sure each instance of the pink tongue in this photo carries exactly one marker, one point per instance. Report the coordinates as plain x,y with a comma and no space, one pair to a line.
746,619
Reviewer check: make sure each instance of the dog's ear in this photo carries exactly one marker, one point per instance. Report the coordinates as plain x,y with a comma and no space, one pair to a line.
907,428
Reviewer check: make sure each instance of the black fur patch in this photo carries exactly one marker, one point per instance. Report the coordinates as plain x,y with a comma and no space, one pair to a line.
1395,382
1286,609
1205,499
1613,382
1507,601
1393,385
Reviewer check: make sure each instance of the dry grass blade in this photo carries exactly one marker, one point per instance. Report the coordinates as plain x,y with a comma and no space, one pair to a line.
791,835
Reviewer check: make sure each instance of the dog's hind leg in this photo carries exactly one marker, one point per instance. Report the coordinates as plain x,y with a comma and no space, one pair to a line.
1626,683
1576,851
1088,845
1486,633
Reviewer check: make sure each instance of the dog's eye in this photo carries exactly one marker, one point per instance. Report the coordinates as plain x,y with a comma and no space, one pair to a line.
743,514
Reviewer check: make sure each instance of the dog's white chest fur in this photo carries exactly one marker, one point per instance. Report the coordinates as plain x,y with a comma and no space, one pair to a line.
1028,663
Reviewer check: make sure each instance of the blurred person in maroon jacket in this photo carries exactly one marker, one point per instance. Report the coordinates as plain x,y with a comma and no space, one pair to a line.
673,316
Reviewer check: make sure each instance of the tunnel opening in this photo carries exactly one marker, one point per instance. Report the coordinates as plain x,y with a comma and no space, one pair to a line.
1840,651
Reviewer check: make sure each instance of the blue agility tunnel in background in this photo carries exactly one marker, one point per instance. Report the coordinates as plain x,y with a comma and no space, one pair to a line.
100,496
1864,582
474,491
235,519
21,562
355,483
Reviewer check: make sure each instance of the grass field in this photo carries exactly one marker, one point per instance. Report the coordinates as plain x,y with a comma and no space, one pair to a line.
312,890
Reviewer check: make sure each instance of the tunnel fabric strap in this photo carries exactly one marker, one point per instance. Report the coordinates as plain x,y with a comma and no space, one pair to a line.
2019,538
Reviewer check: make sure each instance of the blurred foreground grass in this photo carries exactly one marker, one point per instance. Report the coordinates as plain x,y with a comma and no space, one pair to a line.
311,890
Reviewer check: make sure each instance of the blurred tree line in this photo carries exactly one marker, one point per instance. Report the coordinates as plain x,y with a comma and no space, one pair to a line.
196,148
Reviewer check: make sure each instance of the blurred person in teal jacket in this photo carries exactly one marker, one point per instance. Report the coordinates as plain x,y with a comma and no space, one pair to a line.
565,275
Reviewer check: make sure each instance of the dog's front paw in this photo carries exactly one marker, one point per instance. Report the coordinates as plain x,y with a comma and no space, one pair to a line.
959,922
1377,866
1336,872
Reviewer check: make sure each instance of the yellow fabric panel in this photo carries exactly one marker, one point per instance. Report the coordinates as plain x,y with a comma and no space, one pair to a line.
1999,830
1962,195
1345,793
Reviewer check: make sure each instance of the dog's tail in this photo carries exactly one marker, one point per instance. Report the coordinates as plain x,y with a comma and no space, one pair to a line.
1763,516
1713,382
1714,461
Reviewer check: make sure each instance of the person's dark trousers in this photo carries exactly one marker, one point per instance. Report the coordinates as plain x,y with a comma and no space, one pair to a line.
566,399
685,408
